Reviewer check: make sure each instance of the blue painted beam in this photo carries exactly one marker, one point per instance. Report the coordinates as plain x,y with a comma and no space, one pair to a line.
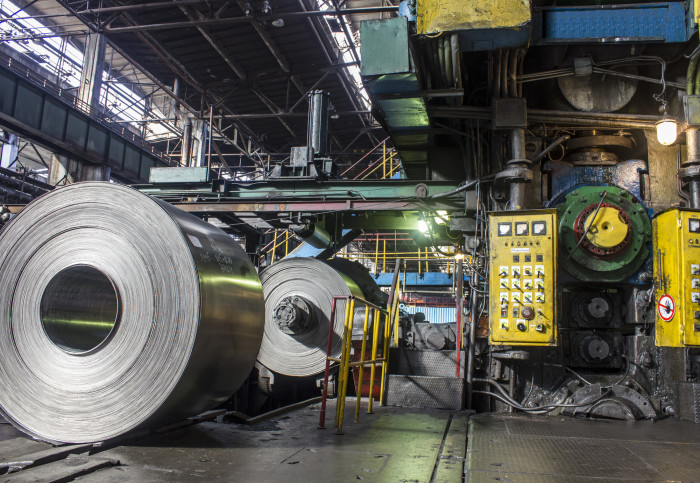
433,279
663,22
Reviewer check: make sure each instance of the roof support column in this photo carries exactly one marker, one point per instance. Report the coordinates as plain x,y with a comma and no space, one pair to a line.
64,170
9,151
91,75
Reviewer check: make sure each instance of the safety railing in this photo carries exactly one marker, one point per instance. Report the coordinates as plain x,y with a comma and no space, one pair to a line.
281,238
68,96
377,317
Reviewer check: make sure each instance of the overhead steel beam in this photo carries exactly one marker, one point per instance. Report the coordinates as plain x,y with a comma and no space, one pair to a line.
273,109
562,118
274,50
284,114
252,18
180,69
145,6
314,206
233,64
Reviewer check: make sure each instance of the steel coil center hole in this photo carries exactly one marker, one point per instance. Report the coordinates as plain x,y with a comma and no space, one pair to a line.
80,309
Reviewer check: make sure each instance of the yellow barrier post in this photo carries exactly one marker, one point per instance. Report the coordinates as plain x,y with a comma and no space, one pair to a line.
341,374
362,366
376,317
385,357
395,318
274,248
376,255
345,367
384,257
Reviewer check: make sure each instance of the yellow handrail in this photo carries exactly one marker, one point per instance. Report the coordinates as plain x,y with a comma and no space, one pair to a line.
376,314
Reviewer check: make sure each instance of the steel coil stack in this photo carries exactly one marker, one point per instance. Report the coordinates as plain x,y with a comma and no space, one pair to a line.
298,300
118,312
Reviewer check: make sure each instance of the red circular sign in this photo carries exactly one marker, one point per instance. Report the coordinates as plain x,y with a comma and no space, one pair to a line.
666,308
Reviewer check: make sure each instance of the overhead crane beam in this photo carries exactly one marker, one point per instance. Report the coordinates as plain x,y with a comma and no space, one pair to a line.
30,106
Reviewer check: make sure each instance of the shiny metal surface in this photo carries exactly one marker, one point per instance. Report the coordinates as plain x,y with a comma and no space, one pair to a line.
118,312
303,353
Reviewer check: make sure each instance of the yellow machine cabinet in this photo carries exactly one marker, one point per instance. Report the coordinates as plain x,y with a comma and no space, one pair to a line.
676,239
522,302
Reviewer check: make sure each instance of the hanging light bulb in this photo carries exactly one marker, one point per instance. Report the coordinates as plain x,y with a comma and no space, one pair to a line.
667,131
459,253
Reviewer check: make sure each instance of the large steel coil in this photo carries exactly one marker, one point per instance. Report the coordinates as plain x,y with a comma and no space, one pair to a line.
298,299
118,312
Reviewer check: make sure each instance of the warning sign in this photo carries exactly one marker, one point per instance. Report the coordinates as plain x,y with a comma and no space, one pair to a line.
666,308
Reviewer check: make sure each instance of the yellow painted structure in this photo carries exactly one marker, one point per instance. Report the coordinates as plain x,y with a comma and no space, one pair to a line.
522,301
436,16
676,241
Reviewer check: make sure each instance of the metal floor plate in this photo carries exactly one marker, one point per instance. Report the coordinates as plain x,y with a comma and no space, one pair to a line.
521,448
391,445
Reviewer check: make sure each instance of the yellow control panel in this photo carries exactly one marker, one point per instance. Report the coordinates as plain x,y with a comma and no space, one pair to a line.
676,239
522,302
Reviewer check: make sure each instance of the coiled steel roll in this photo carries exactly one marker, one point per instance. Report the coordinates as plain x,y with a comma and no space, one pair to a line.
298,299
118,312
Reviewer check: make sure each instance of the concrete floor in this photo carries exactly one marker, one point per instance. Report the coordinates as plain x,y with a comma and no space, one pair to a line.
392,445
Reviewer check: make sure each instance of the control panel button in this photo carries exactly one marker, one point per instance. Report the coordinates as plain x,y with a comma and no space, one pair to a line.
695,283
540,328
516,312
521,325
515,272
503,296
527,284
695,269
695,297
528,313
527,297
527,271
539,271
504,324
503,271
539,298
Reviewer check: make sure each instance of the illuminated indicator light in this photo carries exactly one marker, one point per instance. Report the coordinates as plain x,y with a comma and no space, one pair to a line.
667,131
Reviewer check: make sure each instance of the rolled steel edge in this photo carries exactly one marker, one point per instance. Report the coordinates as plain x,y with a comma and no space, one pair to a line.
182,344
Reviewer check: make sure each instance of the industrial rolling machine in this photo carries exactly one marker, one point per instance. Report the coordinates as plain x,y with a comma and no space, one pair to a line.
583,296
